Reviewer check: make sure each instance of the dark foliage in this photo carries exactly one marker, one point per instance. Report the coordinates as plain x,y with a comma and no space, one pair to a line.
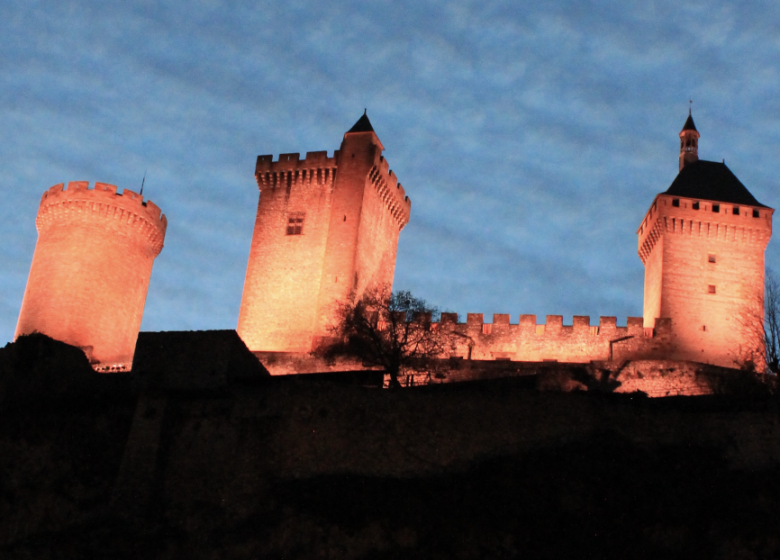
39,370
604,498
395,332
771,329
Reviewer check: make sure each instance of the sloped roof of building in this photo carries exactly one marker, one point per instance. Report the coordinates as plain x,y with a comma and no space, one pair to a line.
689,124
190,360
362,125
710,180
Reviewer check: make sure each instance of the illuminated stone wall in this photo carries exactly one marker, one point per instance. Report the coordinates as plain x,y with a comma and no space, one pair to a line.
279,303
527,341
91,269
352,210
705,270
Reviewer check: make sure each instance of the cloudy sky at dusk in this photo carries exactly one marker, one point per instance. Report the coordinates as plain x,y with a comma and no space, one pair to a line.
531,137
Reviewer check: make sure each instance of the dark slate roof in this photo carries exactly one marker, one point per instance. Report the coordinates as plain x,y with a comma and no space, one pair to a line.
689,124
190,360
362,125
710,180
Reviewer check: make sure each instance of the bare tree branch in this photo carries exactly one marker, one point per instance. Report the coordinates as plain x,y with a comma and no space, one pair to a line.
394,332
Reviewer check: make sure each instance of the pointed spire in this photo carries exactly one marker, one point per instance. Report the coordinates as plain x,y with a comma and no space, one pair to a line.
689,123
689,142
362,125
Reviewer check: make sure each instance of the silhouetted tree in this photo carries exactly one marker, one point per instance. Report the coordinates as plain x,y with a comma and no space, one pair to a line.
398,332
771,325
758,328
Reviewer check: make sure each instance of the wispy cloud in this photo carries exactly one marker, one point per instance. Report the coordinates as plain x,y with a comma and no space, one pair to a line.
531,139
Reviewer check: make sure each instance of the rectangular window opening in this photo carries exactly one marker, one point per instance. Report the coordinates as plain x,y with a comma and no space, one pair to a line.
711,258
695,205
711,289
755,214
295,224
735,210
676,202
716,207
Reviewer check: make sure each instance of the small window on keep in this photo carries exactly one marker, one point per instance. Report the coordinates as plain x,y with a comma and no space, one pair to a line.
676,202
695,205
716,207
295,224
711,289
735,210
711,258
755,214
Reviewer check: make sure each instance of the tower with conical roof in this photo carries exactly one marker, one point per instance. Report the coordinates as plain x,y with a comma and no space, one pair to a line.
326,231
702,243
689,142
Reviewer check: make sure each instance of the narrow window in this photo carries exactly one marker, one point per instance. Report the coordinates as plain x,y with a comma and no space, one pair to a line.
716,207
711,258
696,205
755,214
295,224
676,202
735,210
711,289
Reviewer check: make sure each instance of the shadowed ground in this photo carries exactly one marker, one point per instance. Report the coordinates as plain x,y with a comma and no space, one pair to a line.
259,468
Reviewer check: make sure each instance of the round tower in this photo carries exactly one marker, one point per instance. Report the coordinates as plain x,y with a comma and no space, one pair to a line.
91,268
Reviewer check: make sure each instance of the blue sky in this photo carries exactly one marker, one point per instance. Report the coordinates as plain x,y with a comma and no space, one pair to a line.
531,137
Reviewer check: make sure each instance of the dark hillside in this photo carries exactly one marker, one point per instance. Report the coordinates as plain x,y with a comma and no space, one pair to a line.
300,469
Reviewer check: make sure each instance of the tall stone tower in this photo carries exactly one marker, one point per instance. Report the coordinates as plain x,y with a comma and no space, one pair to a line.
91,269
702,243
326,231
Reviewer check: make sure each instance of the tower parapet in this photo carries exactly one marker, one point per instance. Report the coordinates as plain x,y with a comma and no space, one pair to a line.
391,192
289,170
91,269
103,203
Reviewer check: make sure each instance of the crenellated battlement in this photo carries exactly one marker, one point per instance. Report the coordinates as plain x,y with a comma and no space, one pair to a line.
706,219
78,202
391,192
554,325
313,160
529,341
289,170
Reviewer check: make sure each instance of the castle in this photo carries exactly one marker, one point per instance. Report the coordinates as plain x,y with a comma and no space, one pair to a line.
327,231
